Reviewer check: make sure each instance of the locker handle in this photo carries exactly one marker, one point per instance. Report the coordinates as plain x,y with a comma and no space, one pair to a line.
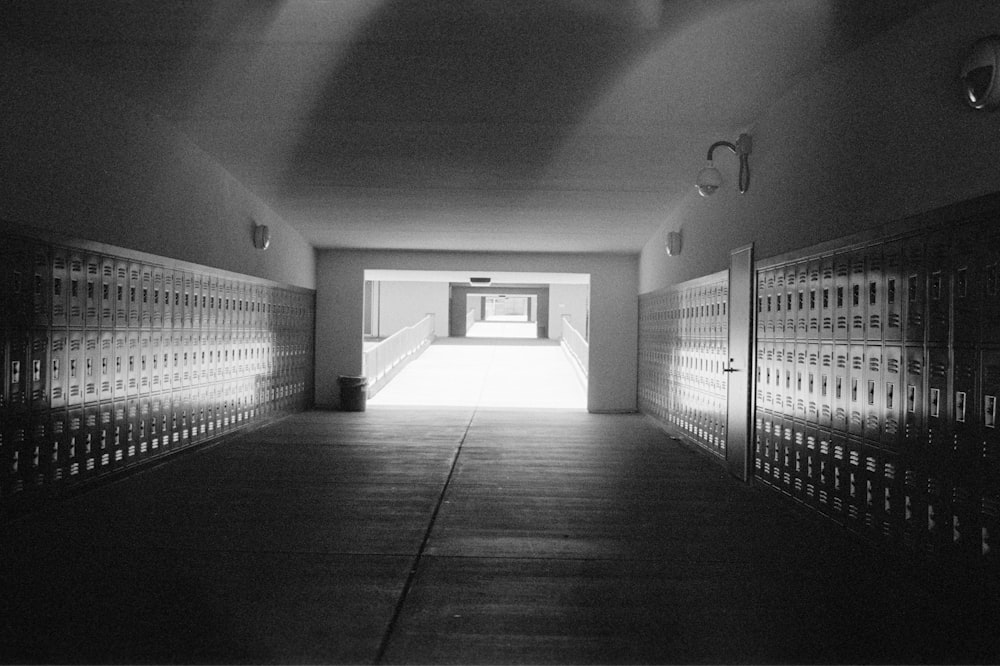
730,368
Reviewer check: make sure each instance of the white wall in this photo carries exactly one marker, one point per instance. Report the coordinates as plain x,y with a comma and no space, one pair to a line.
881,135
81,161
568,299
403,304
613,328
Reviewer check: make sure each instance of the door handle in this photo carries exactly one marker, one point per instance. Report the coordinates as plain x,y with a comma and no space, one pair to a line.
730,368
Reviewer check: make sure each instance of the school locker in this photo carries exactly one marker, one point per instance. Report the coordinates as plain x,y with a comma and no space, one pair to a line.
873,393
893,292
91,367
134,294
41,289
59,284
77,296
106,366
122,432
892,397
914,304
38,371
92,291
855,391
58,354
938,288
874,293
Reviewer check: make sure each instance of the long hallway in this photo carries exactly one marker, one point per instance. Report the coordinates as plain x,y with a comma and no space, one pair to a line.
459,536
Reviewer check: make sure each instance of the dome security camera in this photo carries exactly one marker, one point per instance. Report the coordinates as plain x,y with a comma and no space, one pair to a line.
709,181
980,74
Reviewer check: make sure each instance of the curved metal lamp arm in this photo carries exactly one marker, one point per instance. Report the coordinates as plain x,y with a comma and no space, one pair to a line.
717,144
741,148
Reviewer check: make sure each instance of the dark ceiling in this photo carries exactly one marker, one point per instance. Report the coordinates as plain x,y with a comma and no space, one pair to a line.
500,125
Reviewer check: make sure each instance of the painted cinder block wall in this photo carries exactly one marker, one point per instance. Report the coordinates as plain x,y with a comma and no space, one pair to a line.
82,161
878,136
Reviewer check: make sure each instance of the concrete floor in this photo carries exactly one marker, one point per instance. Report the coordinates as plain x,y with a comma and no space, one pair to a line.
467,535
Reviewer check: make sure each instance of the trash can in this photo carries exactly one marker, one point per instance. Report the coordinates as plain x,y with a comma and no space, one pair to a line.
353,393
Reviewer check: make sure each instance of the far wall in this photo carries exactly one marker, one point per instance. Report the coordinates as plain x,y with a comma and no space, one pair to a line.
402,304
613,302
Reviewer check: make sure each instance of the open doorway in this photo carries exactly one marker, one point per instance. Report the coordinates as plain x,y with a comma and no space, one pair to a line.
520,340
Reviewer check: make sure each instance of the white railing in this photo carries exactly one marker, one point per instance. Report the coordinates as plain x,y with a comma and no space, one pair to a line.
576,346
470,319
400,347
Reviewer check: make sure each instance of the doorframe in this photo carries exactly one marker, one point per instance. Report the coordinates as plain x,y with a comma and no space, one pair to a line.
740,372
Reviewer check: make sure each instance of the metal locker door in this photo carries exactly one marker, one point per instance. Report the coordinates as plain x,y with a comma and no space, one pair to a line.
760,364
840,298
156,304
59,461
58,355
854,391
176,351
814,299
196,295
857,302
789,306
37,451
145,364
17,442
827,404
185,358
892,253
120,365
91,367
41,290
915,401
799,380
967,434
155,354
89,439
196,414
157,425
105,446
59,285
874,293
892,504
121,294
108,292
187,320
915,301
106,366
38,371
990,387
167,304
939,413
801,300
838,476
133,294
872,485
177,303
893,398
132,365
812,383
76,362
14,273
144,425
92,292
990,529
77,290
173,408
122,432
938,288
130,444
146,297
166,356
873,394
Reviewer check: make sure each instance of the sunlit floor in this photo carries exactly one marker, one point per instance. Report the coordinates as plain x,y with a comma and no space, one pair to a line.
487,372
503,327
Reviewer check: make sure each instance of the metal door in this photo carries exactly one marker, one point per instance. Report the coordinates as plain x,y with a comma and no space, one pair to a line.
738,419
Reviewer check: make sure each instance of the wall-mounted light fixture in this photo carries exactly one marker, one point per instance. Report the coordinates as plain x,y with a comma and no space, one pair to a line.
673,244
261,236
709,178
980,74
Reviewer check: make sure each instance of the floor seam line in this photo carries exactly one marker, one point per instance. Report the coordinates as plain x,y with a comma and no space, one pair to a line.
411,576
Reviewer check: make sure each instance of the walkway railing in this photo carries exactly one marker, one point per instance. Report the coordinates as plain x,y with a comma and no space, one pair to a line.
470,319
576,345
396,351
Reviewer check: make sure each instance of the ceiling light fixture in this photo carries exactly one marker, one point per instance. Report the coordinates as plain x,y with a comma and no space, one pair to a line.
709,178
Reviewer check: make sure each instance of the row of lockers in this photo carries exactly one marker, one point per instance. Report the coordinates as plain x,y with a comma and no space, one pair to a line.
892,396
912,500
106,360
941,288
51,368
47,285
682,350
692,312
51,449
